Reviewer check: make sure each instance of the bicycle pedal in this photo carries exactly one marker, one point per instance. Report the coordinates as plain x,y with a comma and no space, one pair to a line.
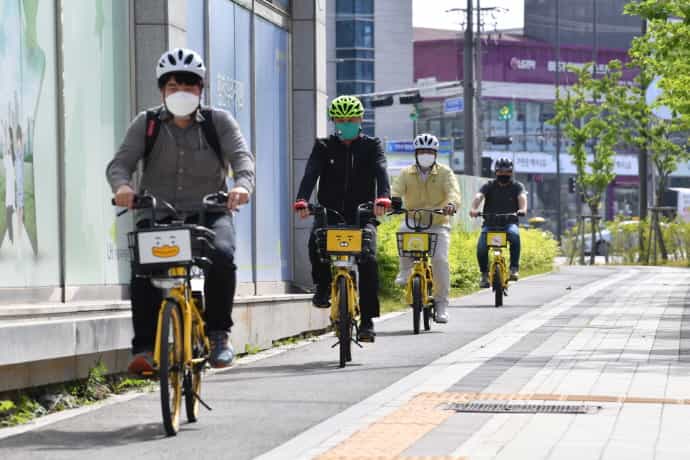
356,342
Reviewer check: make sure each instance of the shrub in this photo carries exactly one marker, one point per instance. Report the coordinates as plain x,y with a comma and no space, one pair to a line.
538,252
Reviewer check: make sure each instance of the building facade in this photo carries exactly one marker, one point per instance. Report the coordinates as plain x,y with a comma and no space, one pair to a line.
518,93
370,50
576,22
81,70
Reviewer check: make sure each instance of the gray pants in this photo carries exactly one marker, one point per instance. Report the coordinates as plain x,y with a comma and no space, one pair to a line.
439,265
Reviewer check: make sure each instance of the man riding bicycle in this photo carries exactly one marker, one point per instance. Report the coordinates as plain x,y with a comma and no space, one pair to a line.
186,151
351,170
428,184
502,195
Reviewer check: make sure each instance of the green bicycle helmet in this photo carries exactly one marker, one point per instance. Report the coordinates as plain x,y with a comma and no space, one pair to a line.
346,107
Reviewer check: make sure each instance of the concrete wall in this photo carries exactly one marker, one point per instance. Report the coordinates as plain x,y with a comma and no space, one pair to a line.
394,66
310,101
49,344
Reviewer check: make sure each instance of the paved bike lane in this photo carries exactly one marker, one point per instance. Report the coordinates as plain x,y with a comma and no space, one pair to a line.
267,407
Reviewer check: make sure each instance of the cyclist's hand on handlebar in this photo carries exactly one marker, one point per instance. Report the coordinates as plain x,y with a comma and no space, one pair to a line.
124,196
381,205
474,213
521,213
237,197
450,209
301,207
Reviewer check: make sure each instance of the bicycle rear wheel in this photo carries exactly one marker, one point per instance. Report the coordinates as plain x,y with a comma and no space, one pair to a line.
416,302
344,322
171,366
498,286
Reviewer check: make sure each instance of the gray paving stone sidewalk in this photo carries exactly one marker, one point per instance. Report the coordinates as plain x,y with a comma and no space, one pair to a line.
628,341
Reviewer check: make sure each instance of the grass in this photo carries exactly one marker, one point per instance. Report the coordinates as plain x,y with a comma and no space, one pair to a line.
22,406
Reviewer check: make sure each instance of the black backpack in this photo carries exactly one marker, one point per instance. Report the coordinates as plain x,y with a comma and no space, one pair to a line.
153,127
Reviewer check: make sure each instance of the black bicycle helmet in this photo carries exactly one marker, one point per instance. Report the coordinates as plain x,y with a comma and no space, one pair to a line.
503,164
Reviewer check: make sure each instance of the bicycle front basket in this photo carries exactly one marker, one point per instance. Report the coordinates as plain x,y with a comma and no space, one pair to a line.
496,239
158,249
416,244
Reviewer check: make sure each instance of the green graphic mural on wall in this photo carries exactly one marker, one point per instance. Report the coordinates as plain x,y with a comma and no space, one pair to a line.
23,63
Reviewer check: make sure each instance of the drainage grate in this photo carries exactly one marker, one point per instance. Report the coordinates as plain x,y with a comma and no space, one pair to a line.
521,408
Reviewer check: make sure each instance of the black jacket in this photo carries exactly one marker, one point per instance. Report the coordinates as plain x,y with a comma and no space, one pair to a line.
348,175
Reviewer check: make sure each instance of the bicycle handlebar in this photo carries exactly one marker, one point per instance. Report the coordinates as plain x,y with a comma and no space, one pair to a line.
416,224
211,202
321,213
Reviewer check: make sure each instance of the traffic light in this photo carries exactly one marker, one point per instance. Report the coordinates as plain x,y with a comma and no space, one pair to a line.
382,101
572,185
413,98
499,140
486,166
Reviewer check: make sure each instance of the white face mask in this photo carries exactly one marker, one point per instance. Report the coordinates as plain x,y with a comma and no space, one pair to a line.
426,160
182,104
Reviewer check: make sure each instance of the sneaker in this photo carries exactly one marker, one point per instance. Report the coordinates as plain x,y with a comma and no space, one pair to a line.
514,274
322,297
141,364
366,331
222,353
484,281
440,315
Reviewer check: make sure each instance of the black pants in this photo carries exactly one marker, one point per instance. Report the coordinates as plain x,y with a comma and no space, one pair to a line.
368,276
219,287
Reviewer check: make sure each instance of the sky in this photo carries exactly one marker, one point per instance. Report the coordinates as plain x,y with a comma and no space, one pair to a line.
432,14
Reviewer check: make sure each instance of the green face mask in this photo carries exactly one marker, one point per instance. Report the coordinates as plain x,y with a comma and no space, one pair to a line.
348,131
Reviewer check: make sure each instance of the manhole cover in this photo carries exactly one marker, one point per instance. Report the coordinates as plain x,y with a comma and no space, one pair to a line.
521,408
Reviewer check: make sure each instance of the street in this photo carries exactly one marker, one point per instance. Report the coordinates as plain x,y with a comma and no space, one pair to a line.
614,339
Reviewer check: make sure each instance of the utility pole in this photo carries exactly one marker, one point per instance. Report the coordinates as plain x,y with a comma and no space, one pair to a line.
468,95
478,90
559,217
642,160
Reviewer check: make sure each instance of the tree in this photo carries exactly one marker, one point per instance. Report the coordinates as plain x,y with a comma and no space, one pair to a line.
591,120
665,49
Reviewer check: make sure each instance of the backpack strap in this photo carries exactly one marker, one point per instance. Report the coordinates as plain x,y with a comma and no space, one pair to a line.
211,135
153,127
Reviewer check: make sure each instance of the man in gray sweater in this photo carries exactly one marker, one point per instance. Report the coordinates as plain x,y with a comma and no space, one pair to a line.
186,152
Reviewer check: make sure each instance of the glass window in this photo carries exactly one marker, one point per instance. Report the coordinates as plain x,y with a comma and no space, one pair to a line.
355,70
354,54
195,27
97,113
284,4
273,222
345,6
29,249
230,86
354,88
364,7
354,33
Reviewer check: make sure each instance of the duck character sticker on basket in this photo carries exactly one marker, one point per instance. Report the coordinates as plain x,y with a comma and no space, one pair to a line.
164,246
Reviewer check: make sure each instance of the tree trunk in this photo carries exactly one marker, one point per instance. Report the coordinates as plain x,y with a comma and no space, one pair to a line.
661,186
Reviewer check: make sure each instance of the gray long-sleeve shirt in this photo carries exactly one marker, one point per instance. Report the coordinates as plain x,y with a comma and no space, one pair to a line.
181,167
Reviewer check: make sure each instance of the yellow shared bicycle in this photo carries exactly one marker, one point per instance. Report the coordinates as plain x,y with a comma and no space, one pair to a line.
497,242
421,247
341,245
171,255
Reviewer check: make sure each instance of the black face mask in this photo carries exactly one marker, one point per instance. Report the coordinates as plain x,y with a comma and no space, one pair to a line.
504,179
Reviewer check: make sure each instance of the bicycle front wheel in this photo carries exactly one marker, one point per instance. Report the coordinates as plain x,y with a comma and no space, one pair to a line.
171,366
344,322
498,286
416,303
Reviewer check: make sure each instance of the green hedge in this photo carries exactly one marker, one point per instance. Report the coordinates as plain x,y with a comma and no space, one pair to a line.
538,252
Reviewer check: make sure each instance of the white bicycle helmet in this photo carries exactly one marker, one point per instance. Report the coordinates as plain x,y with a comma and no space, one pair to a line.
426,141
181,60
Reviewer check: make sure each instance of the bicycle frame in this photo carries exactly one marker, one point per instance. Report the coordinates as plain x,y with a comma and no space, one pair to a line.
192,321
421,266
498,259
344,266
